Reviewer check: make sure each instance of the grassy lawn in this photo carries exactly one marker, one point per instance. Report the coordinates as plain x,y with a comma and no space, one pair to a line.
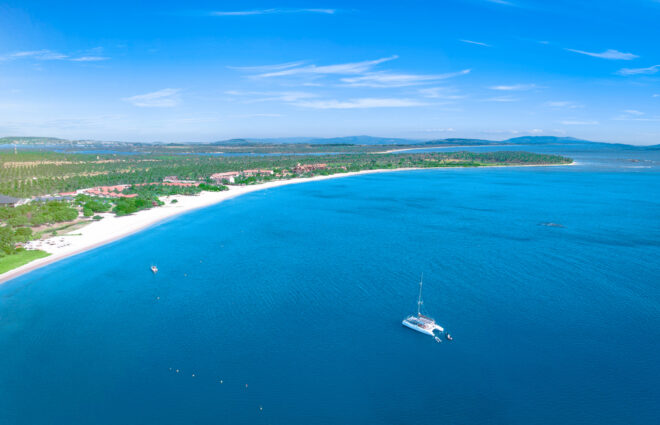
10,262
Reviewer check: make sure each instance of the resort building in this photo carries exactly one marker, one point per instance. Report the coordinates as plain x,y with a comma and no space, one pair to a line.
258,172
10,201
227,177
110,191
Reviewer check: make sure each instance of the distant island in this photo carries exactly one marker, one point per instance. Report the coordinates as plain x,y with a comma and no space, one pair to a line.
53,202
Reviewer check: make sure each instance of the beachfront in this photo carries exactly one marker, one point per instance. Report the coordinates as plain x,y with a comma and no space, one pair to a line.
112,227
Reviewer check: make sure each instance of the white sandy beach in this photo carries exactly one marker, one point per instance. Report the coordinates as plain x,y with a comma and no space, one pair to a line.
112,228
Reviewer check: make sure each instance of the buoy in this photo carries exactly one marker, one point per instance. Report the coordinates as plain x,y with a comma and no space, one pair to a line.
177,371
221,381
193,375
261,408
245,385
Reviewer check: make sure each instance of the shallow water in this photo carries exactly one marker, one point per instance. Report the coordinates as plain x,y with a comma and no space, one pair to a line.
299,292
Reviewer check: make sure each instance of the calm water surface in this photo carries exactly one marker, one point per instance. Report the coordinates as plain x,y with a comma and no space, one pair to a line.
293,298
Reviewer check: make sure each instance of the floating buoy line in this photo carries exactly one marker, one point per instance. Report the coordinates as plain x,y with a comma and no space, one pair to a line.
219,381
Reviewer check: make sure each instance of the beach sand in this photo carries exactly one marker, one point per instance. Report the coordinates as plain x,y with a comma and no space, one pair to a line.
112,228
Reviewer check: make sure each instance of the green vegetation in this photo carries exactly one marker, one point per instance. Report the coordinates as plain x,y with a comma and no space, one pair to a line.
21,257
16,224
91,205
39,173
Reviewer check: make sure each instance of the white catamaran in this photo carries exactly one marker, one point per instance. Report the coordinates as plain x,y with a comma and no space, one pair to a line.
421,323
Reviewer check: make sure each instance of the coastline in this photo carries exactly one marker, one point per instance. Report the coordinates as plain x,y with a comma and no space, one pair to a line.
112,228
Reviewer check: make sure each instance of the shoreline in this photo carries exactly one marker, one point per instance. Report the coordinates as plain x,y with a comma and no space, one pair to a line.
112,228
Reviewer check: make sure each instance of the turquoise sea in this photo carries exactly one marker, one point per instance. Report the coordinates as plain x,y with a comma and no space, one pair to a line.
284,306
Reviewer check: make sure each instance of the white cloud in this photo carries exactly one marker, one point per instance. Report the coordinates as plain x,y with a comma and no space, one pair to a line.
262,68
90,59
636,71
440,93
563,104
608,54
271,12
43,54
502,99
633,112
656,95
386,79
360,103
270,96
256,116
514,87
502,2
165,98
345,68
49,55
478,43
570,122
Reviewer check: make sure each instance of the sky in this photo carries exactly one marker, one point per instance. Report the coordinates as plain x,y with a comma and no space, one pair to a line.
200,71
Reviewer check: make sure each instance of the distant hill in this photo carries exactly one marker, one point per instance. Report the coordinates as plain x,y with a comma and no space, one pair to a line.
544,140
344,141
31,140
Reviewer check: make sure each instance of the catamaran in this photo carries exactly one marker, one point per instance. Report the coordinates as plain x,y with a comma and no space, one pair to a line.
419,322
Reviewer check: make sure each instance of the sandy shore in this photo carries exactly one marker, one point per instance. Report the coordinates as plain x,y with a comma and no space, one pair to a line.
112,228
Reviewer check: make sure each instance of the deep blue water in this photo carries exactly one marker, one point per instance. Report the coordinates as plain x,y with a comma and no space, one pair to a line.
299,292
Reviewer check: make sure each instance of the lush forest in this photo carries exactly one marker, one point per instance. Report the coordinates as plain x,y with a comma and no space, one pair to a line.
38,173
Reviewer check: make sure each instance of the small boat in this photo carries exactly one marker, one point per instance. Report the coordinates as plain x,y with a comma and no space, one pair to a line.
449,338
419,322
154,269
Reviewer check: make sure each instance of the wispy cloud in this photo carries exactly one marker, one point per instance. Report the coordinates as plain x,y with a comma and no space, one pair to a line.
263,68
637,71
502,99
50,55
360,103
271,12
43,54
440,93
271,96
165,98
607,54
635,115
571,122
265,115
344,68
563,104
515,87
478,43
502,2
90,59
386,79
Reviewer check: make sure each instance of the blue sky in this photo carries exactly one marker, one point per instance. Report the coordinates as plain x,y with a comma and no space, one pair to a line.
205,71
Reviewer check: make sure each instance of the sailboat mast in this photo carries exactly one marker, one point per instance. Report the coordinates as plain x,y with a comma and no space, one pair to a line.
419,300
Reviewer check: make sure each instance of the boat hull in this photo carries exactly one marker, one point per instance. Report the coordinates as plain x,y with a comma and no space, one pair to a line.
417,328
